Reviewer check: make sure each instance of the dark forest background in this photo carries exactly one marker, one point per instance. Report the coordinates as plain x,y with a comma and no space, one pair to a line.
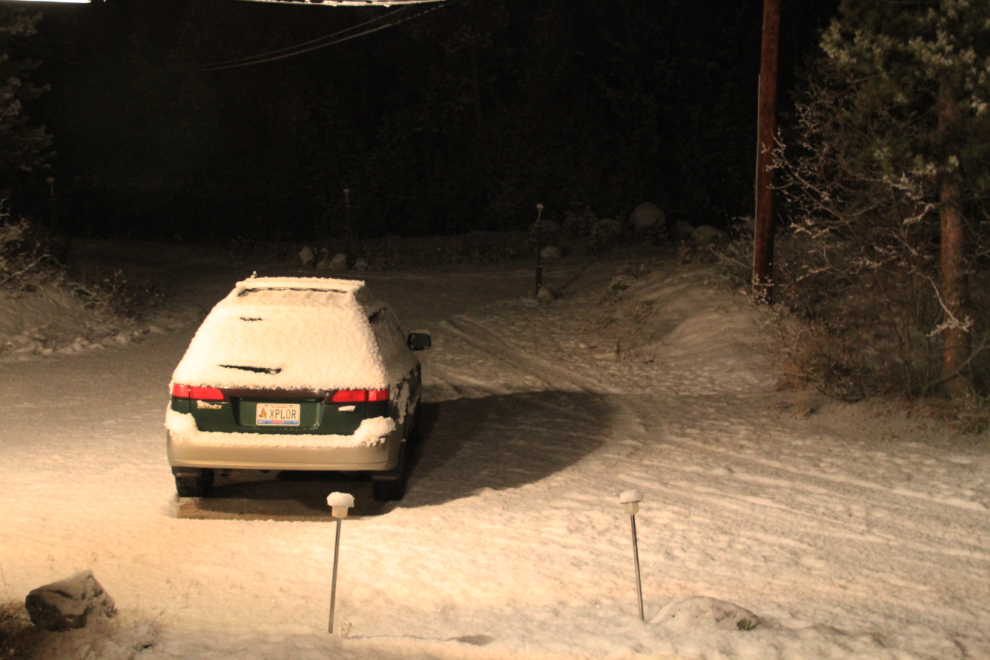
458,120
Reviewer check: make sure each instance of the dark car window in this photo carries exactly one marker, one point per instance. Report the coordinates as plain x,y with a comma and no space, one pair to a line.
387,333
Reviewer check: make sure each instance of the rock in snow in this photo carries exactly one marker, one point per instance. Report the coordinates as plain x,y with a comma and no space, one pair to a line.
307,256
705,234
545,296
698,612
68,603
647,216
683,230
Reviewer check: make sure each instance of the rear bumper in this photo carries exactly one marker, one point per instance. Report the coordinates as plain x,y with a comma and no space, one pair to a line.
187,447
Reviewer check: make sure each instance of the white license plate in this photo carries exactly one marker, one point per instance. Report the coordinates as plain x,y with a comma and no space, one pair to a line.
277,414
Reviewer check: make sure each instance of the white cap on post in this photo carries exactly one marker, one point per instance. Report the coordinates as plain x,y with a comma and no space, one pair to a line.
630,501
340,503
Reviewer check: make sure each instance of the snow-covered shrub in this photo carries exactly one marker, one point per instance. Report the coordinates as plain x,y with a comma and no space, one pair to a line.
120,296
597,234
886,182
17,634
25,260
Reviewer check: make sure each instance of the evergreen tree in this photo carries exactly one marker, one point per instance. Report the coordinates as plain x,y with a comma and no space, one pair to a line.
896,156
23,147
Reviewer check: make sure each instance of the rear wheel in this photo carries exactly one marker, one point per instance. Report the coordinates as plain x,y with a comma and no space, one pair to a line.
414,435
194,483
391,486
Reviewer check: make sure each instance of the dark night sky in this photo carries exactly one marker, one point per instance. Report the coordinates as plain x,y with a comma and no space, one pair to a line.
454,121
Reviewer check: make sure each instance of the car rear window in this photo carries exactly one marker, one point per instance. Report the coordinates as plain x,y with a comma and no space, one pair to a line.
286,339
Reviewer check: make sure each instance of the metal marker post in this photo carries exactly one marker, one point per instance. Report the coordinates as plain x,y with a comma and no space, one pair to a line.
347,217
539,248
52,200
340,502
630,502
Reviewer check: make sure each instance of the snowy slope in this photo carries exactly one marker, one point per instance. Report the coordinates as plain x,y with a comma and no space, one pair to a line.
852,532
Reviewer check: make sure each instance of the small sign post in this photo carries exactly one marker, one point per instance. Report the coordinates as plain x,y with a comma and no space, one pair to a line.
339,503
539,248
630,502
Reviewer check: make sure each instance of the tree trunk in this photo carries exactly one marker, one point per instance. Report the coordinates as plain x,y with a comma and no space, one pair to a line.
955,279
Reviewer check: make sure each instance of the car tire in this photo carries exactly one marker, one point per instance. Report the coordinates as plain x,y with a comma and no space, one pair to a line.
194,484
414,435
391,486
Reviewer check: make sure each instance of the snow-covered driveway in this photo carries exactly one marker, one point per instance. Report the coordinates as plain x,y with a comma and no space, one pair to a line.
853,531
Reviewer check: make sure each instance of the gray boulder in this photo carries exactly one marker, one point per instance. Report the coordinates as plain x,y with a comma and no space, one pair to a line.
693,613
547,227
683,230
307,256
706,235
68,603
336,262
647,216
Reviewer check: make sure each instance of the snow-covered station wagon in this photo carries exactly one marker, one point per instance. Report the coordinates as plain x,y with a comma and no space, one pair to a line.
293,373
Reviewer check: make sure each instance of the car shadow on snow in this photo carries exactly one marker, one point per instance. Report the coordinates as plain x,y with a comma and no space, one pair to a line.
499,442
462,447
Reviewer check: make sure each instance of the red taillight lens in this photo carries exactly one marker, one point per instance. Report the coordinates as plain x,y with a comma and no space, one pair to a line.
204,393
360,396
350,396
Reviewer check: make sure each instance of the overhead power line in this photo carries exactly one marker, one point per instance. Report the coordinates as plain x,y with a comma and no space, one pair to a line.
391,19
352,3
314,44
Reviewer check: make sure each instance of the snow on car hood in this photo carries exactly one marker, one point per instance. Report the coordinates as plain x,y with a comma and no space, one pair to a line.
287,333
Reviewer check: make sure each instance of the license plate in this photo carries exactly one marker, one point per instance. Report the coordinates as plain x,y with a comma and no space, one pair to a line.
277,414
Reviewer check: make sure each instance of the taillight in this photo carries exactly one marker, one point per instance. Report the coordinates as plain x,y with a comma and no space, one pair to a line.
203,393
350,396
360,396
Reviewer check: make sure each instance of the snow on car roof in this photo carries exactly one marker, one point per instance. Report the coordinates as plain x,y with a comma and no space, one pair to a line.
299,283
287,333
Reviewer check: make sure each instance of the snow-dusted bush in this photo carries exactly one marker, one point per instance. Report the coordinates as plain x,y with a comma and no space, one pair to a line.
17,635
24,254
117,295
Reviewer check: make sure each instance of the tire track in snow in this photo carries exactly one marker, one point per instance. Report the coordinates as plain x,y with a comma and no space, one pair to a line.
497,347
808,523
839,478
825,541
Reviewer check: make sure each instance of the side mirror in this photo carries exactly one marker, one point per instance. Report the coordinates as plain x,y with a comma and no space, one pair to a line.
418,341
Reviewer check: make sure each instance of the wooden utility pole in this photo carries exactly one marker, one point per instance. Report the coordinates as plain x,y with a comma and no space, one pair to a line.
763,236
952,241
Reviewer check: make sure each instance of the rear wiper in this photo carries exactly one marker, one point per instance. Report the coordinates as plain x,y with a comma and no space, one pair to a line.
258,370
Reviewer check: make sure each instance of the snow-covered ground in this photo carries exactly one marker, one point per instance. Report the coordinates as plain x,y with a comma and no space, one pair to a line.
850,531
